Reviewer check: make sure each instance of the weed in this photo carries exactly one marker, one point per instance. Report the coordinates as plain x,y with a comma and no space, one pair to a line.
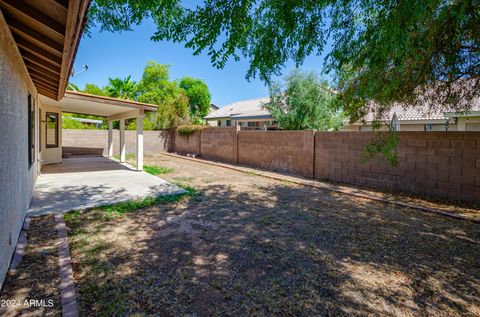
157,170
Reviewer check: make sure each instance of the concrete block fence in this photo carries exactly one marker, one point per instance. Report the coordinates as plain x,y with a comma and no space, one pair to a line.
431,164
96,141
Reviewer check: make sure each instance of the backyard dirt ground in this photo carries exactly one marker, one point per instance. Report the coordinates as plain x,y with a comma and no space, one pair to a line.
37,276
248,245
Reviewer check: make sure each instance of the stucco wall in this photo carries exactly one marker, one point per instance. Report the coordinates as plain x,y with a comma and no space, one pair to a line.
16,177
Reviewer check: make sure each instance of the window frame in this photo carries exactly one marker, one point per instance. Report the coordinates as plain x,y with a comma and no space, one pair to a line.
47,145
31,120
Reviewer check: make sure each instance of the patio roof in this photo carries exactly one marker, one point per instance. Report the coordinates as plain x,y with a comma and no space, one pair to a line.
111,108
47,33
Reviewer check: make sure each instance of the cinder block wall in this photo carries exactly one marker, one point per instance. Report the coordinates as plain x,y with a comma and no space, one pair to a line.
219,144
95,139
187,144
431,164
153,141
286,151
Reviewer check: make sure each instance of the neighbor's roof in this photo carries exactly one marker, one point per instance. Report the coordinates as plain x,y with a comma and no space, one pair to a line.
423,112
253,108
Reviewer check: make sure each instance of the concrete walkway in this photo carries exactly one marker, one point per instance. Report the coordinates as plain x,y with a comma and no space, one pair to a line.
82,183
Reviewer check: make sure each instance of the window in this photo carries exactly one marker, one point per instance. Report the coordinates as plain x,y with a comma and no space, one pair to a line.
427,127
39,130
52,130
229,123
31,130
219,123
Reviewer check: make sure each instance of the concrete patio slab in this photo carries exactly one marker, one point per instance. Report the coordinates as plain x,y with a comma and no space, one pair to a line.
82,183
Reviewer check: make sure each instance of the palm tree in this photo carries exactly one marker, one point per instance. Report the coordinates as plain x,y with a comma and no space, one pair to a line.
122,88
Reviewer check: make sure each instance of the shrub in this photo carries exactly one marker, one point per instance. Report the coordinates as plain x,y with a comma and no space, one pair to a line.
189,129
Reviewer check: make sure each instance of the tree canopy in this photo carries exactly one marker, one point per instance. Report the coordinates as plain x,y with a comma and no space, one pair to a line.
198,97
122,88
156,88
383,51
94,90
179,102
304,101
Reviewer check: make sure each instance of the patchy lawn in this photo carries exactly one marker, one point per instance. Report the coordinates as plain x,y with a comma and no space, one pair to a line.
157,170
37,277
248,245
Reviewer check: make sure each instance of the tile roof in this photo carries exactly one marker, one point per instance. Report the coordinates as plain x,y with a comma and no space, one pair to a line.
419,112
246,108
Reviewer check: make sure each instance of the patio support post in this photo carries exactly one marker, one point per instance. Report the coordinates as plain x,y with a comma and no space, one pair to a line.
140,140
110,138
122,140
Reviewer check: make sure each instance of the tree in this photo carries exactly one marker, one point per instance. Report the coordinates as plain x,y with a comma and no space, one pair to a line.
122,88
94,90
384,51
156,88
199,97
72,86
304,101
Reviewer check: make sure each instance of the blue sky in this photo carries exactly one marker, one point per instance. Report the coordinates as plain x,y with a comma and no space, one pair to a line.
122,54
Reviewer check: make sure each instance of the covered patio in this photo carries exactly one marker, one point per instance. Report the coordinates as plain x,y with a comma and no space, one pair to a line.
82,183
76,183
112,109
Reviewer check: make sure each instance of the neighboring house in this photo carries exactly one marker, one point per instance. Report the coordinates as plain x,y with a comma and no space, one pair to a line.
421,118
213,108
38,43
248,114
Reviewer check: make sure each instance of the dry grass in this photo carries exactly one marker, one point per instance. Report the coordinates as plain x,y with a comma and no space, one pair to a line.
37,276
247,245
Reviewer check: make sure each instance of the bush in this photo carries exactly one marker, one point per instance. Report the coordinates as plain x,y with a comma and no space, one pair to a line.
189,129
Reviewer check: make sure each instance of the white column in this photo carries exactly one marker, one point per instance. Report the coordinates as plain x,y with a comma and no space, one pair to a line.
140,140
110,138
122,140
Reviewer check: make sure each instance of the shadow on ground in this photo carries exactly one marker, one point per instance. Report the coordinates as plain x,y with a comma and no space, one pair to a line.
270,248
36,278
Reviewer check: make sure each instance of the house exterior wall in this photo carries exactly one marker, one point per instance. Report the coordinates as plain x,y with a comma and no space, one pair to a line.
51,155
412,126
468,124
17,178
